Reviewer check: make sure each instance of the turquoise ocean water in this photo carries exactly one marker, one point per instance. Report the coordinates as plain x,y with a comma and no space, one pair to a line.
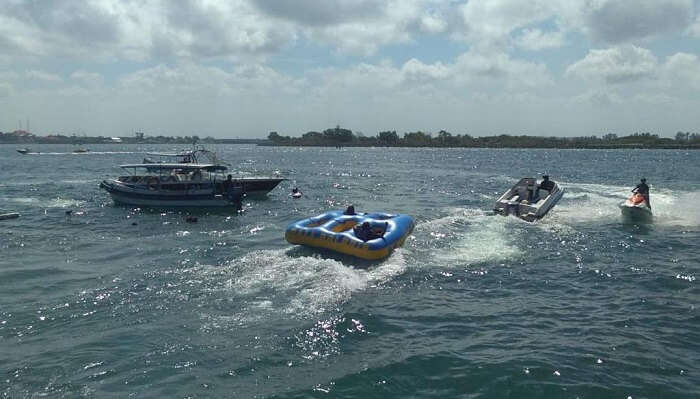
120,302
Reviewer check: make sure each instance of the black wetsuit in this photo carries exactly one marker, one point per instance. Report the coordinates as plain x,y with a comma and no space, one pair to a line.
545,185
643,189
227,186
366,233
363,233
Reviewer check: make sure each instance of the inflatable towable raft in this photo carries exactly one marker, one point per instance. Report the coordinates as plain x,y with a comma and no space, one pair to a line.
336,231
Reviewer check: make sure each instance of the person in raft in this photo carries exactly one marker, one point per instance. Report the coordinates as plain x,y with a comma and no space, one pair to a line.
365,233
643,189
296,193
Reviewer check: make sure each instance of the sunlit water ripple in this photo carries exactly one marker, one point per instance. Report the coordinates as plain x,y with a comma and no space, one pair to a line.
117,302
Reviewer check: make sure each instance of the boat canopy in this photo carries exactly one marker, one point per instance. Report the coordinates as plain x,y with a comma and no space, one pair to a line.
170,154
172,166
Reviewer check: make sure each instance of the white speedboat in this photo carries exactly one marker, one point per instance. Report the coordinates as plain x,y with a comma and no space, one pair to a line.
528,202
252,186
636,209
174,185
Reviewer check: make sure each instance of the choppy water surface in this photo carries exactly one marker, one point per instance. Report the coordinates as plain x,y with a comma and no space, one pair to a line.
117,302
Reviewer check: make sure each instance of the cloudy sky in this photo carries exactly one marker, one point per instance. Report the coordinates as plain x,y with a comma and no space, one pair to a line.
243,68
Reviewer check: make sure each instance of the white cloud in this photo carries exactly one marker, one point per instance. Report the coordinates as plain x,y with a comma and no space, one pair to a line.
212,66
89,78
43,76
496,69
535,39
599,97
433,23
616,21
490,23
416,71
683,70
496,23
694,29
615,65
136,30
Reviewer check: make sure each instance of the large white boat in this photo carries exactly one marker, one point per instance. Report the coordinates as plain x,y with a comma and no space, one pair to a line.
174,185
527,201
251,186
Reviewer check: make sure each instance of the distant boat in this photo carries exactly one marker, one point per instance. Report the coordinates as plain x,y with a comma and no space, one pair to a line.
11,215
24,150
80,150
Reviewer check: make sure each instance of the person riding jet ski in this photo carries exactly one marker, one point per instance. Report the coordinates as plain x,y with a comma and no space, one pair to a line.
643,190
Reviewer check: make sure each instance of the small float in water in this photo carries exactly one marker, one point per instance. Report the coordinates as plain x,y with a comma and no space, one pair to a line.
528,201
635,208
339,232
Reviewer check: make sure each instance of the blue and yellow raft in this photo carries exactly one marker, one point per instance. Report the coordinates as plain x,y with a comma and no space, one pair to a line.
333,230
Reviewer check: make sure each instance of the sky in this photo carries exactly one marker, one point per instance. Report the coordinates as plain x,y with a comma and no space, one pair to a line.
244,68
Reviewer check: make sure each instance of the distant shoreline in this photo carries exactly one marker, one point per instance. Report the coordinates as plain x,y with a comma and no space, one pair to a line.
267,143
602,147
340,137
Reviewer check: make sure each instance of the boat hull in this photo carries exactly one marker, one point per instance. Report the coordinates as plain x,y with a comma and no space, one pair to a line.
11,215
123,194
257,186
640,213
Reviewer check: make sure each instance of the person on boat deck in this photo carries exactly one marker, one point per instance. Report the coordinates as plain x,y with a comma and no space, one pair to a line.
365,233
643,189
545,185
228,186
350,210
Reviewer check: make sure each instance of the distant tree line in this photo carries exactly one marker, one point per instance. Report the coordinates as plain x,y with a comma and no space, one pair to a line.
344,137
22,137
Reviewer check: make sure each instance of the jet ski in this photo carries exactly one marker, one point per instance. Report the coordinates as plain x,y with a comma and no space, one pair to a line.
636,208
528,202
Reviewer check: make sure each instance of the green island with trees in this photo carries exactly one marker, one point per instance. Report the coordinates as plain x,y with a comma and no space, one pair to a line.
340,137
